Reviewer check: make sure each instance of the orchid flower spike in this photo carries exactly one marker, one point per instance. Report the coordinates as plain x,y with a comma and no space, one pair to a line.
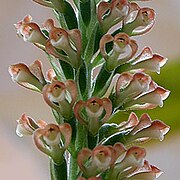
139,20
53,140
29,77
111,13
61,96
129,86
97,110
26,125
64,44
122,51
30,32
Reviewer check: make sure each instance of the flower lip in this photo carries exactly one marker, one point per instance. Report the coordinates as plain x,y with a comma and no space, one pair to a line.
56,91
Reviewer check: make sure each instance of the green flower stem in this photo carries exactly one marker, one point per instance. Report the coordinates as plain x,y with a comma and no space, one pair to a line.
58,172
103,81
59,5
92,141
71,147
56,67
118,137
123,68
73,173
67,69
58,117
80,142
81,137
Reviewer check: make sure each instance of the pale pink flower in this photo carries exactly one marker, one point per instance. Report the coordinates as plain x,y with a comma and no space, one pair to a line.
29,77
61,96
30,32
94,107
53,140
122,51
26,125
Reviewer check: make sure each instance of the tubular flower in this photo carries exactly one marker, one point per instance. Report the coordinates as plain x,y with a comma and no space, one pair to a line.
122,51
29,77
111,13
139,20
146,60
61,96
26,125
129,86
30,32
97,113
143,129
53,140
138,91
64,44
134,158
147,129
134,130
148,100
101,158
146,172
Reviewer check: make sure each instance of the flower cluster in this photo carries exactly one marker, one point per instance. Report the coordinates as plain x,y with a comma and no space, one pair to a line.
121,163
96,73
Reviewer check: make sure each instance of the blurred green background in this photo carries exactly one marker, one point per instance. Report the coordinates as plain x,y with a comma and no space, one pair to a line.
170,79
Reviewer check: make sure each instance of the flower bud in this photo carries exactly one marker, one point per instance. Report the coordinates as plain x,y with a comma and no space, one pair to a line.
133,159
148,100
99,160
